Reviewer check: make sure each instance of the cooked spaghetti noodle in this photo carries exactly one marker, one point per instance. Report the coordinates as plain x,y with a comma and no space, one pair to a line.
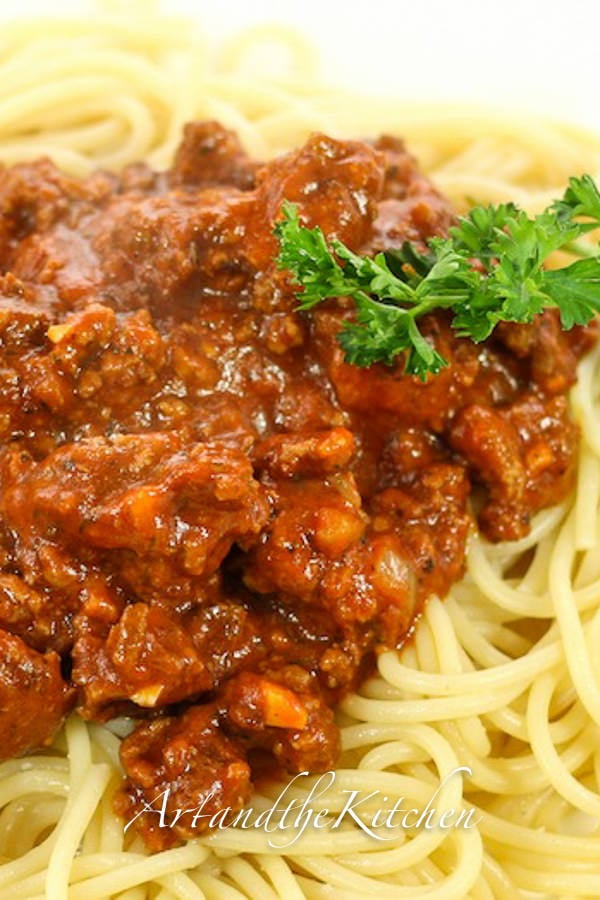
502,676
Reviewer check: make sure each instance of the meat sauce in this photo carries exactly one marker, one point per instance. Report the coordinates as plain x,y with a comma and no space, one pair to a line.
208,520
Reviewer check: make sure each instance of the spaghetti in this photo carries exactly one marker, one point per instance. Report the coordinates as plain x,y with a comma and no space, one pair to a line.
502,677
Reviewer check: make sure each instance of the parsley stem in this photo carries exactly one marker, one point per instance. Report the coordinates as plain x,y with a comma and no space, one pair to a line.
582,249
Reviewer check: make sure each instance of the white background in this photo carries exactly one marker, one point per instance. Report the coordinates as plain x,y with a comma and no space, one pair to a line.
542,56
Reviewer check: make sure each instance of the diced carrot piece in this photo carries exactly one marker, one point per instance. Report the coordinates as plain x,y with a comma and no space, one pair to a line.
282,707
57,333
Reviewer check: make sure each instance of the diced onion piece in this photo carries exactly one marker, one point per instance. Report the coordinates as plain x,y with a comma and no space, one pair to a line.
148,696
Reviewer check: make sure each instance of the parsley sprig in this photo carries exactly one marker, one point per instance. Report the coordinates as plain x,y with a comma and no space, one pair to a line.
489,269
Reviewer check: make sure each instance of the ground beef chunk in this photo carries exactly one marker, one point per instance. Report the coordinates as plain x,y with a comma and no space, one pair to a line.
161,517
209,155
186,766
34,698
283,713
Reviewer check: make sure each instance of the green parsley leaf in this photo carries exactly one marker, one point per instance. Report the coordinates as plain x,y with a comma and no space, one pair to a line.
489,269
575,290
581,198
